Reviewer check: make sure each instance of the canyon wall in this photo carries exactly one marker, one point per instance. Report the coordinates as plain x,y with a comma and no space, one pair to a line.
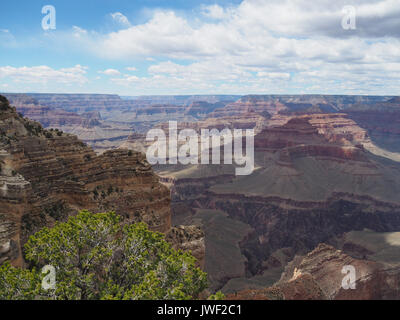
313,181
48,175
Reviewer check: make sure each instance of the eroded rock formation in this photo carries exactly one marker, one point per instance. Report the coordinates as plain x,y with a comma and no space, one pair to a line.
314,180
47,175
321,275
373,280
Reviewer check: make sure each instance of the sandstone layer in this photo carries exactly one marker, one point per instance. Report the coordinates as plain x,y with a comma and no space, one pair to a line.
47,175
313,180
321,275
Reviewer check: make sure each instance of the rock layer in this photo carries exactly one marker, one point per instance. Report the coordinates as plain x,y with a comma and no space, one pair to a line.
48,175
314,180
324,264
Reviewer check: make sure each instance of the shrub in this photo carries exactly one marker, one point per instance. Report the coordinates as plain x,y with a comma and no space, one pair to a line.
4,104
96,257
110,190
48,135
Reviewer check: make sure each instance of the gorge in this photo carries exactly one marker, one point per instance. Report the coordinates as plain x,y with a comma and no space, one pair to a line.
325,185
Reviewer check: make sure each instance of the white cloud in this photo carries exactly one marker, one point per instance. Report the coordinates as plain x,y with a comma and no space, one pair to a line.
259,46
165,33
110,72
274,75
215,12
131,68
270,46
7,39
119,18
78,32
45,74
253,26
126,80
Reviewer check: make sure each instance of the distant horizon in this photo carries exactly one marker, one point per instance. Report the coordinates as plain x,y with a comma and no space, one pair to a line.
205,95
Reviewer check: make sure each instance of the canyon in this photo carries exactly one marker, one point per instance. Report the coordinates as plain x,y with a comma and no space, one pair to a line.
47,175
325,187
106,121
310,185
318,175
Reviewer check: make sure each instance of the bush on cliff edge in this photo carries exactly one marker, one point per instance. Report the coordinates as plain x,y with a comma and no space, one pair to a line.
4,104
96,257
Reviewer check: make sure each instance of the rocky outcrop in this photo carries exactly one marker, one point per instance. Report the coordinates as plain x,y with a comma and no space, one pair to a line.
80,103
46,116
302,287
91,119
381,121
263,294
103,102
48,175
190,239
138,110
137,140
313,181
296,132
325,264
295,104
321,275
338,128
106,121
89,127
316,129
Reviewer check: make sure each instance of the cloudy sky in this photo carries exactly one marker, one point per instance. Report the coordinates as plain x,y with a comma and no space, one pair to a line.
146,47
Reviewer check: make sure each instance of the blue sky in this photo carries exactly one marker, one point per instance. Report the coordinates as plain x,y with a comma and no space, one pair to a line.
200,47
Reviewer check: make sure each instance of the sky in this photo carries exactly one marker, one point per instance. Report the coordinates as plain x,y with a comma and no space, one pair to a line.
159,47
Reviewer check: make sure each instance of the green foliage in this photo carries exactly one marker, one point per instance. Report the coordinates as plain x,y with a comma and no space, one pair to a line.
56,211
48,135
18,284
96,257
110,190
217,296
4,104
33,128
95,193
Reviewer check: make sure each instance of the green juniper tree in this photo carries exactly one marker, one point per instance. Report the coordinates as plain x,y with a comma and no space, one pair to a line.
18,284
97,257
